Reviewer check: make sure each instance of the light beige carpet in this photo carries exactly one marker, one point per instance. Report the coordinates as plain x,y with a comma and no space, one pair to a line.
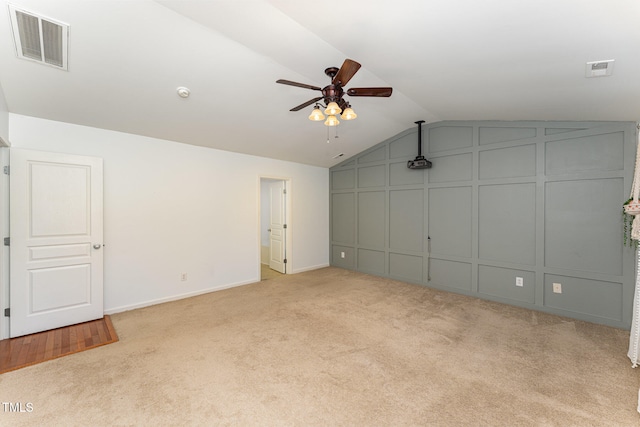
332,347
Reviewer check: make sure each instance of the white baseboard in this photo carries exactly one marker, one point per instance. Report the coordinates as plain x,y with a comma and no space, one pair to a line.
196,293
315,267
176,297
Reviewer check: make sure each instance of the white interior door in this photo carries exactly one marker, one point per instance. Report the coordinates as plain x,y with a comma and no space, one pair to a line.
277,222
56,240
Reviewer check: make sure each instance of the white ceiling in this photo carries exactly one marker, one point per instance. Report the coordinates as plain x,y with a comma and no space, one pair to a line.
445,59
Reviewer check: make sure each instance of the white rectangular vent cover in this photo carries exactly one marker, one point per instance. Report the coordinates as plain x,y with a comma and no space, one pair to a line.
599,68
39,38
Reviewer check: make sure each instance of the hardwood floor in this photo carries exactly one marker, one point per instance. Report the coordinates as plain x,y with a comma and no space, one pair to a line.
16,353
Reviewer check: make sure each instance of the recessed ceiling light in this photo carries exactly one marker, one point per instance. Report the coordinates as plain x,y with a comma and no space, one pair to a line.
183,92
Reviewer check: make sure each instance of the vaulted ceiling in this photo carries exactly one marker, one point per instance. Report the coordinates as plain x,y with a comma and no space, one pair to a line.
445,59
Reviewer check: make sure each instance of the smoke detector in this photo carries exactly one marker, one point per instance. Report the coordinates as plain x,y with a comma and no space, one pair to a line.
183,92
599,68
38,38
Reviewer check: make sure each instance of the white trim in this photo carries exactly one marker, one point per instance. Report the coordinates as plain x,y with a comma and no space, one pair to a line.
315,267
178,297
4,250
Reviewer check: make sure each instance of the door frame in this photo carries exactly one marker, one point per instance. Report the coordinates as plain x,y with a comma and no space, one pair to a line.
288,248
4,232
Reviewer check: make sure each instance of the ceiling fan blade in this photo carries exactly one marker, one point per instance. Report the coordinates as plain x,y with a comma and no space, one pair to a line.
370,91
290,83
348,69
306,104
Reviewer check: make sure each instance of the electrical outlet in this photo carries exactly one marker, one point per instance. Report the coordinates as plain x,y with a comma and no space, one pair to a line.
183,277
557,288
519,281
342,255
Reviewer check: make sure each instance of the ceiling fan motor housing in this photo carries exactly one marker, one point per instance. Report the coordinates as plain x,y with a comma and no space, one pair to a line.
334,93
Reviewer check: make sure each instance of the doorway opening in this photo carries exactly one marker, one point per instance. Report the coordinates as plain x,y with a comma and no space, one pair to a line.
274,207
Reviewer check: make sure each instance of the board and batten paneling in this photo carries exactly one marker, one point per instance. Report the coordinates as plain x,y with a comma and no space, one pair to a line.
507,210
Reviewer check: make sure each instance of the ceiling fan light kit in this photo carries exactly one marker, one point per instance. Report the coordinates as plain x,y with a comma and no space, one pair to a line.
332,109
316,115
332,94
348,114
332,121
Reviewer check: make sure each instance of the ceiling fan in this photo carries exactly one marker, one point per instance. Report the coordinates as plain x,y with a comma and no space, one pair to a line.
332,94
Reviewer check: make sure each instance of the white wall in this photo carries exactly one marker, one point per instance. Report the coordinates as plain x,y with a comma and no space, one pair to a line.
173,208
4,119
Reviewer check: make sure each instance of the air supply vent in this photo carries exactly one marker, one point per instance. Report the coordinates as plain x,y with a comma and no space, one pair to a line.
39,38
599,68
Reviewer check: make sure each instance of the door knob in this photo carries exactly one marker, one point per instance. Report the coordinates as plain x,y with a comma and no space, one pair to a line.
97,246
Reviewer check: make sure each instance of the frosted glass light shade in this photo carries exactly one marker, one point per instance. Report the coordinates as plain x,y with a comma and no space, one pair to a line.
332,109
332,121
316,115
348,114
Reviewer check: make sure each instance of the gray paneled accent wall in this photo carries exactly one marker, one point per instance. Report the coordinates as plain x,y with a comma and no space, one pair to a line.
508,210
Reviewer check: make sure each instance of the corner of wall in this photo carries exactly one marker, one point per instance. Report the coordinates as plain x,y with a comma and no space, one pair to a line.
4,120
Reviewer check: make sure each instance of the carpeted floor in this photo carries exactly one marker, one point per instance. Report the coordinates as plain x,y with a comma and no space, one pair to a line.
334,347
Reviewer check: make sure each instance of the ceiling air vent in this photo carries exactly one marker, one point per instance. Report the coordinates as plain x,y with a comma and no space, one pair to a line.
39,38
599,68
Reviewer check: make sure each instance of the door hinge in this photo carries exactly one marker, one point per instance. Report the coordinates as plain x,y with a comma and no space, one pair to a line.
7,241
284,191
284,226
285,260
5,169
7,312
